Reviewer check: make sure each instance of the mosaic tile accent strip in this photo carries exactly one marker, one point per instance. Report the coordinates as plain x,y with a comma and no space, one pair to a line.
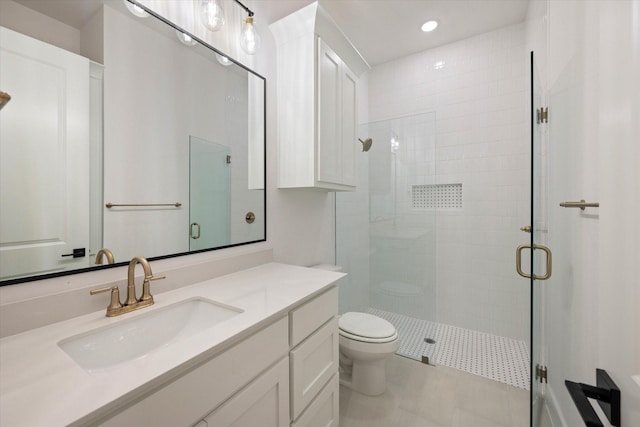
491,356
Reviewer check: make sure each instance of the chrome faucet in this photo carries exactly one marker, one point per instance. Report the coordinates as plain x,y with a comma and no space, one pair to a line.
115,307
106,252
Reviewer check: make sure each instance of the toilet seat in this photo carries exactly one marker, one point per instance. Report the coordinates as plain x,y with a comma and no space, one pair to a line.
366,328
367,339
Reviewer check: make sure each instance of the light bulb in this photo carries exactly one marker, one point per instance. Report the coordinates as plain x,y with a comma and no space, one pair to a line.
136,10
211,14
185,38
249,38
223,60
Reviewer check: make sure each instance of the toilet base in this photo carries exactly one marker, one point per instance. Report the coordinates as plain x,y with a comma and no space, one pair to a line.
366,376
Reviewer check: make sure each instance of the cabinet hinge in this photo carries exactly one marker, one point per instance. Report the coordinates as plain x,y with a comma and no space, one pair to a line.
542,115
541,373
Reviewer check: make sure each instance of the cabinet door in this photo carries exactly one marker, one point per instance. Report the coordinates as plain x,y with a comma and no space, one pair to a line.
349,122
329,115
264,402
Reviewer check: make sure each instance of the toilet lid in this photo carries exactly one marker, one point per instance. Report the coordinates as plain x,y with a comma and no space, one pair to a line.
366,325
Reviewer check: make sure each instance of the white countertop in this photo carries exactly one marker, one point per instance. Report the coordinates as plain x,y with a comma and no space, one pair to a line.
40,385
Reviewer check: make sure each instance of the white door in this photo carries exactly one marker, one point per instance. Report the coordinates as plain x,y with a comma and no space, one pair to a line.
44,158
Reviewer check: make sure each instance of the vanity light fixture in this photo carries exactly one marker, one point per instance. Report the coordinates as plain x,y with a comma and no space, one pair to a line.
249,38
212,14
185,38
135,9
429,26
212,17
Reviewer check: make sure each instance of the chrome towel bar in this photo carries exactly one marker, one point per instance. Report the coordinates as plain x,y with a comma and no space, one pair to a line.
581,204
112,205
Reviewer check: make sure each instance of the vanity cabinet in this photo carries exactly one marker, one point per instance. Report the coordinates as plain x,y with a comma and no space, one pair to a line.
284,374
249,371
317,102
314,362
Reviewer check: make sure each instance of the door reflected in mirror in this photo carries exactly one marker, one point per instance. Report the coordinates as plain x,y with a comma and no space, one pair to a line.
127,116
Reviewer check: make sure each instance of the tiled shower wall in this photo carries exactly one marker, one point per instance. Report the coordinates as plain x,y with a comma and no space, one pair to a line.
479,91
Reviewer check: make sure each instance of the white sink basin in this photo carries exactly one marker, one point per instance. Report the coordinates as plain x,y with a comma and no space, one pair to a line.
136,337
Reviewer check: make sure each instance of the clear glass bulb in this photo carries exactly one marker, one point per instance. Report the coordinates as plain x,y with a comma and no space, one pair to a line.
185,38
249,38
211,14
223,60
135,9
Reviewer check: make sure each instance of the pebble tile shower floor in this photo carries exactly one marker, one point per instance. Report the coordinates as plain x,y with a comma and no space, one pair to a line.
494,357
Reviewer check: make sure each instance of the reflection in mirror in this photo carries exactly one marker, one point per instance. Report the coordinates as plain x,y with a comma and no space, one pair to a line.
120,135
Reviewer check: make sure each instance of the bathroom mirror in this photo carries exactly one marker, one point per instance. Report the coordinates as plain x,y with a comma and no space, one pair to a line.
122,132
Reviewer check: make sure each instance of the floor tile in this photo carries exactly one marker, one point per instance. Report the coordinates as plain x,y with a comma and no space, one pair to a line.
435,396
491,356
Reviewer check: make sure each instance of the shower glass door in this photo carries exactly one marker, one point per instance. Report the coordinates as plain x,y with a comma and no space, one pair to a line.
539,237
209,194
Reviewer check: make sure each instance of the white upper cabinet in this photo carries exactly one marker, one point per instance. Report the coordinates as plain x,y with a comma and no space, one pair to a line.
317,102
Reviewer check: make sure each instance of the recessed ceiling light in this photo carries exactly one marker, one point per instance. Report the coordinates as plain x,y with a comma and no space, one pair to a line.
429,26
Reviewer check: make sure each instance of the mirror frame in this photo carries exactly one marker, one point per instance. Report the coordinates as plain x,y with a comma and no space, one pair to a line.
26,279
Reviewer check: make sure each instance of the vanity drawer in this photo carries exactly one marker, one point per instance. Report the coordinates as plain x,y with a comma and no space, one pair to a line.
313,363
312,315
206,387
324,410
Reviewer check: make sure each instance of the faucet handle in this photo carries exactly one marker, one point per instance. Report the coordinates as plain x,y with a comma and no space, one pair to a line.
146,287
114,305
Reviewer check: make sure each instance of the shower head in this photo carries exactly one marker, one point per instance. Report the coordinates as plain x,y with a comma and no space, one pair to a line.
366,144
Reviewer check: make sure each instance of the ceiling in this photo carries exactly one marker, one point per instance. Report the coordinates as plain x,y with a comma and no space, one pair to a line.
382,30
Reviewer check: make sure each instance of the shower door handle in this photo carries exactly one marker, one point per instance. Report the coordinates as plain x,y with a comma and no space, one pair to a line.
546,250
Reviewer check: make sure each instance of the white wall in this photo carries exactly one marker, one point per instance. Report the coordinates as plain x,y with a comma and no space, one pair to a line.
593,299
34,24
480,98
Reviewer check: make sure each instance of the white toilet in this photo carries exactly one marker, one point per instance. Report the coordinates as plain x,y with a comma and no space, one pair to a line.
366,342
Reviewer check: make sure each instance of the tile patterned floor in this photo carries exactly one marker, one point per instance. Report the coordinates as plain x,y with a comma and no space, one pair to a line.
490,356
420,395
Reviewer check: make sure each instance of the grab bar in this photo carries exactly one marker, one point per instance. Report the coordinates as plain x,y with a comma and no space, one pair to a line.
112,205
581,204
